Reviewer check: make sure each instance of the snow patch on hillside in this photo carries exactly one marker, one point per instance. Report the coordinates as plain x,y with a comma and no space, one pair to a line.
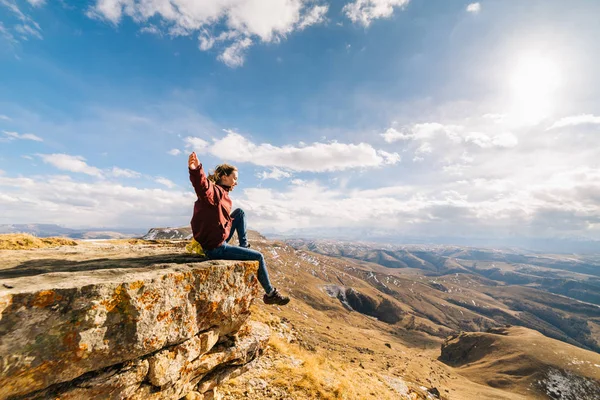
558,384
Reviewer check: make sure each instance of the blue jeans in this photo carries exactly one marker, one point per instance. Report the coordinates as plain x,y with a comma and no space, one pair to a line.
229,252
238,225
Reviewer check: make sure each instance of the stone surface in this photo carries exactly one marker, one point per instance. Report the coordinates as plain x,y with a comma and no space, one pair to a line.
112,383
166,365
56,327
194,396
212,395
223,374
132,379
252,338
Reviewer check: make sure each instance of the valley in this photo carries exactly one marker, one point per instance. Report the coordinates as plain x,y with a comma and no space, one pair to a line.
444,322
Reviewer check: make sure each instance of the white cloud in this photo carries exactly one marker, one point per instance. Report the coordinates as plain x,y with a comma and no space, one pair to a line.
63,200
36,3
477,207
314,16
233,56
151,29
482,140
447,137
424,148
582,119
124,173
174,152
243,20
27,28
4,32
423,131
67,162
365,11
12,6
275,173
466,158
497,118
505,140
317,157
561,204
111,10
474,8
164,181
389,158
454,169
428,130
4,117
24,136
196,144
392,135
206,42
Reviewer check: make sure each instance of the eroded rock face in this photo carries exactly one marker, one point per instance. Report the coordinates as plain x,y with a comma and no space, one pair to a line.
56,327
118,382
167,364
194,368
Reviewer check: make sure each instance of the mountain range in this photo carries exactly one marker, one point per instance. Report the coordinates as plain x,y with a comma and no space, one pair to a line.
380,236
49,230
453,288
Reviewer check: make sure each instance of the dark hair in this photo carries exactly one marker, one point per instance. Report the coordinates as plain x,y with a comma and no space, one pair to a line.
220,171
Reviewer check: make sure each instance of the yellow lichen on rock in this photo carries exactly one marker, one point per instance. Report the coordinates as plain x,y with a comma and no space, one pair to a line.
67,324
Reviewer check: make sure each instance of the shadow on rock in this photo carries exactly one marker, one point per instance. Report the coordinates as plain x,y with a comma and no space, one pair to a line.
44,266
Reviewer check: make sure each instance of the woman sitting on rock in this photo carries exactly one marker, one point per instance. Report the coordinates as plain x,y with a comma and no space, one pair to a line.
213,223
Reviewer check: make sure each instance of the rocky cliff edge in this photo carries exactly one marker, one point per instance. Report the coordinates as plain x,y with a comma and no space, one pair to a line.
157,332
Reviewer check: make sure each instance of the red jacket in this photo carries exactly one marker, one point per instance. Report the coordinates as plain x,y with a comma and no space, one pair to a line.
211,221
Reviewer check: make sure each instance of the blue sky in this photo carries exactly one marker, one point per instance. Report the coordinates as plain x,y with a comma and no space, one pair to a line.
414,117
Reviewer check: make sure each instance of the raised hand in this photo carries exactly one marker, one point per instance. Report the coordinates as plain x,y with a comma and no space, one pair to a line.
193,161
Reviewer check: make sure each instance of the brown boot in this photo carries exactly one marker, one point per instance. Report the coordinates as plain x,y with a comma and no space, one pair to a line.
276,298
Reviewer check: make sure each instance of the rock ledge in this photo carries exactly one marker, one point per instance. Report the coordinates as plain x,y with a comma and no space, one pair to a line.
126,333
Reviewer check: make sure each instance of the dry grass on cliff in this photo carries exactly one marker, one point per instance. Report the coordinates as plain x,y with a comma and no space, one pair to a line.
299,374
316,376
291,371
23,241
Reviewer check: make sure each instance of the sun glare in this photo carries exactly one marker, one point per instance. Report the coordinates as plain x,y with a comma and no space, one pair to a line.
533,82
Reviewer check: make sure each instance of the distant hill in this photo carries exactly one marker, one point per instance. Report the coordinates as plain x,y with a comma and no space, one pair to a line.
50,230
182,233
522,360
387,237
452,288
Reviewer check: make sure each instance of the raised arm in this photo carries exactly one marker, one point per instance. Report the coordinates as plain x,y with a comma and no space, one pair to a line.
204,188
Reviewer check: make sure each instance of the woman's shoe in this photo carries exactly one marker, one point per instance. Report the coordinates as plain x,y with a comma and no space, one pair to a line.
276,298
